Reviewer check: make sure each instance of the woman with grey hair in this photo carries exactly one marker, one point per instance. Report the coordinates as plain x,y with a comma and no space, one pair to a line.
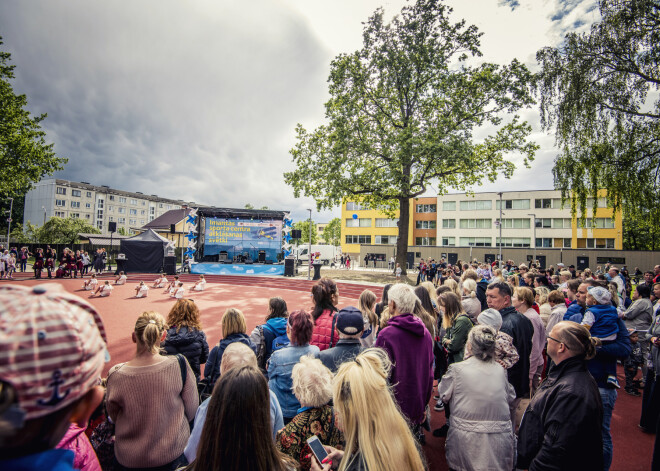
480,398
312,386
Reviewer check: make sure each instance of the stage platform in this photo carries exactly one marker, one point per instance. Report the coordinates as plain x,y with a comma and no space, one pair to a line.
241,269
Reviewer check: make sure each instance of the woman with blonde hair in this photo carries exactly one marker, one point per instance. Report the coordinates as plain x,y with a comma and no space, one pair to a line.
453,285
523,300
541,294
513,280
457,325
366,305
233,330
150,402
368,416
185,334
469,301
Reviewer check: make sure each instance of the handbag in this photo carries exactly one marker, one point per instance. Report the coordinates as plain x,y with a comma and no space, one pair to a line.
102,437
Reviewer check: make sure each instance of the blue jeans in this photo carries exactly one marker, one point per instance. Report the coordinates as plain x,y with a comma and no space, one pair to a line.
608,396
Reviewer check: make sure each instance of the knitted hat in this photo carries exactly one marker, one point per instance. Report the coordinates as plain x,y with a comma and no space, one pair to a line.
600,294
490,317
350,321
52,348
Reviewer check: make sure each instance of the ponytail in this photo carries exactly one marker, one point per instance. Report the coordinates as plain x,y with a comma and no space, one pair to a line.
149,328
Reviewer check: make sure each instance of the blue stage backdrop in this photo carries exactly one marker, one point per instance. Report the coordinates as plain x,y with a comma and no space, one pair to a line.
238,236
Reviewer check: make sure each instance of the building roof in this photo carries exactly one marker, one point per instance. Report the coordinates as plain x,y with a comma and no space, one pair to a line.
102,239
242,213
173,216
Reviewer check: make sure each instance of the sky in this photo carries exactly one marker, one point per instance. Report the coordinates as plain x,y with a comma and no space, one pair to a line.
198,100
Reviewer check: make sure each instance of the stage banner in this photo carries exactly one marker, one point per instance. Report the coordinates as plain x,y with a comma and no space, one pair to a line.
242,237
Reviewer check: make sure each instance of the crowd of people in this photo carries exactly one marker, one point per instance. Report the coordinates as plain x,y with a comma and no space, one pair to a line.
68,264
522,362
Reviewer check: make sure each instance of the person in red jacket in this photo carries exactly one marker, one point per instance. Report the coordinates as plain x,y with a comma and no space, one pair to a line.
326,297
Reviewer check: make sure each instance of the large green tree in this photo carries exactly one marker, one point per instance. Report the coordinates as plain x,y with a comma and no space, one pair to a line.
332,232
64,231
402,117
25,157
597,93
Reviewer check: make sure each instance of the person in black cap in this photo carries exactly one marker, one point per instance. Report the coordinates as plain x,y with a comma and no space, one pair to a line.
350,326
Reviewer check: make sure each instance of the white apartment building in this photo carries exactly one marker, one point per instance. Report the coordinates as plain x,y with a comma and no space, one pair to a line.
98,205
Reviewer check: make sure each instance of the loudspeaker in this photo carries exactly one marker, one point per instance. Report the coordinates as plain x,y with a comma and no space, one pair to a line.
112,227
172,228
289,267
296,234
262,256
269,262
169,265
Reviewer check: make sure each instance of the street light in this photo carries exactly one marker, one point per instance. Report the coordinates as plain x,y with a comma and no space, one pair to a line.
44,208
534,222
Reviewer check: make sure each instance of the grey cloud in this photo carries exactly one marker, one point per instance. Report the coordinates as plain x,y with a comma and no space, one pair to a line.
513,4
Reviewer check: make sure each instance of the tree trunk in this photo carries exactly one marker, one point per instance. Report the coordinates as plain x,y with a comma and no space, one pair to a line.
402,239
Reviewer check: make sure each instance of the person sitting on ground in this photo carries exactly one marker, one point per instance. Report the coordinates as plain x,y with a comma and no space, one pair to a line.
312,386
91,284
150,402
505,354
179,292
199,284
172,285
36,413
478,392
233,330
326,297
369,418
103,290
350,325
141,290
236,355
237,434
272,334
121,279
185,335
160,282
366,305
299,330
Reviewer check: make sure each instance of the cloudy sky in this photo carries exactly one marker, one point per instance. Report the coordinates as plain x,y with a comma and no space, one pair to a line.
199,99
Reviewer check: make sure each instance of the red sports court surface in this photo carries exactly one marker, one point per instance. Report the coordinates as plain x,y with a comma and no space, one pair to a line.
632,448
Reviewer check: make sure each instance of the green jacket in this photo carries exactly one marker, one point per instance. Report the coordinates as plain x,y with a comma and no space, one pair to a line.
458,334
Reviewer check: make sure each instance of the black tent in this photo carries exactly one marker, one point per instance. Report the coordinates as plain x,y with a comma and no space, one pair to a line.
144,252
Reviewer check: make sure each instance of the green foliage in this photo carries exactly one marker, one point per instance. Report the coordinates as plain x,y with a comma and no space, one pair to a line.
304,227
596,92
24,155
402,115
332,232
64,231
122,231
641,230
248,206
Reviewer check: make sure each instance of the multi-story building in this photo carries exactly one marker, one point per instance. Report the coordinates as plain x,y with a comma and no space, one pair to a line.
98,205
529,219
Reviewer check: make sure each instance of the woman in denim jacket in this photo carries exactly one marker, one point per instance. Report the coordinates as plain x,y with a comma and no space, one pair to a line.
299,330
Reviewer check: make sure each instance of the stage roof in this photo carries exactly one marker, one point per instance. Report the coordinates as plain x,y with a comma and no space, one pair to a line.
242,213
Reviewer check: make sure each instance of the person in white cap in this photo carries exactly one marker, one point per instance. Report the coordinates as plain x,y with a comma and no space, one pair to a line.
52,353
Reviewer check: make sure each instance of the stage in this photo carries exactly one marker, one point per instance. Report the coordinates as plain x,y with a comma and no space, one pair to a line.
244,269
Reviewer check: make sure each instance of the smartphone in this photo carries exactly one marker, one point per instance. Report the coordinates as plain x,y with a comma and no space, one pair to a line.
317,448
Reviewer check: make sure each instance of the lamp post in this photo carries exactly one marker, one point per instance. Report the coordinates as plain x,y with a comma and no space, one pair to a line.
44,208
309,252
500,224
534,222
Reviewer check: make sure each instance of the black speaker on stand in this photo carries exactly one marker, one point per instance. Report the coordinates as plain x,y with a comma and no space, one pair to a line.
112,226
289,267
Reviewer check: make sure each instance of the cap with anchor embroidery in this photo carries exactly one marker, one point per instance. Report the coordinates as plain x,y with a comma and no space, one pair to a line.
52,347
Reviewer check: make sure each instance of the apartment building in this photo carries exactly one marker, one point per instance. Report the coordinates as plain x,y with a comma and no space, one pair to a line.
98,205
528,219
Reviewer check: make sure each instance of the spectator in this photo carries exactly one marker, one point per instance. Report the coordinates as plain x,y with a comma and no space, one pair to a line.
632,363
36,414
233,330
237,355
522,300
236,435
651,396
369,418
639,317
618,279
506,354
382,305
470,302
366,305
541,297
350,326
557,309
478,392
575,309
326,297
312,385
299,330
410,348
149,401
264,335
521,331
560,427
185,335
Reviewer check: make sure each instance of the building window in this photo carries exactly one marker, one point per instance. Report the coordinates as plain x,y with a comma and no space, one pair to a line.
60,203
476,224
99,225
514,241
60,191
143,212
543,223
601,203
152,210
151,218
425,241
426,208
352,206
385,240
132,222
448,241
99,214
132,212
512,204
88,194
476,241
87,216
111,219
134,202
142,221
121,210
425,224
449,205
517,223
99,204
362,222
122,220
122,199
568,243
88,205
474,205
76,193
386,222
597,223
561,223
543,242
60,214
160,205
75,215
449,223
111,197
144,203
75,204
358,239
